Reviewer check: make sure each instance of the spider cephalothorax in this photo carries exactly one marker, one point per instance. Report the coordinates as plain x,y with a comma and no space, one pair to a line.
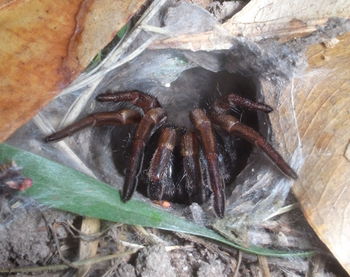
197,148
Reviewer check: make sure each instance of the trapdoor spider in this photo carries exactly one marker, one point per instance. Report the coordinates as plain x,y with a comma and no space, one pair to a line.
197,148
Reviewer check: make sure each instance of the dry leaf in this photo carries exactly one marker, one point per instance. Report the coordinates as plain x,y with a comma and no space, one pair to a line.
261,19
323,113
321,100
45,44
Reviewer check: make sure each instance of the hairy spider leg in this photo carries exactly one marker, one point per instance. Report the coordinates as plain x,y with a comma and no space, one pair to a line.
160,161
122,117
204,128
151,121
224,104
139,99
191,162
232,125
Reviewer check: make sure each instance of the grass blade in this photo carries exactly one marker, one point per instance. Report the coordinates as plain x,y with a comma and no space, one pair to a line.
64,188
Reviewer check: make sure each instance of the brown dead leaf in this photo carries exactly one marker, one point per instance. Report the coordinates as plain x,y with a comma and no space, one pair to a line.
45,44
321,101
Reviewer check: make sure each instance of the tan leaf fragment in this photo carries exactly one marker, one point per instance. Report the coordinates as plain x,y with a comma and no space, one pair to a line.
321,100
261,19
323,114
46,44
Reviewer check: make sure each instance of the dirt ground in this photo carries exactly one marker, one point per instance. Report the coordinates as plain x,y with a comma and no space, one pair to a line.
26,239
41,238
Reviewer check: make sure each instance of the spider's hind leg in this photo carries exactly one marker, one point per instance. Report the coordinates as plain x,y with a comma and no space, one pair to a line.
232,125
230,101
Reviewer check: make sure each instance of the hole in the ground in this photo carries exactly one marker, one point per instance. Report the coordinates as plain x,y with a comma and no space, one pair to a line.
194,88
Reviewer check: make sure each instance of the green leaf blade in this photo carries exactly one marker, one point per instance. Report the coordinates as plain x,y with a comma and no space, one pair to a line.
64,188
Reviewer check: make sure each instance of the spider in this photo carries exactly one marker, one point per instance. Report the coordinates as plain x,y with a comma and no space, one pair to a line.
197,148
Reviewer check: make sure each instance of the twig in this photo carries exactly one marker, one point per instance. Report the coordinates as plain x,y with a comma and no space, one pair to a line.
83,236
111,269
235,274
176,247
131,245
64,266
67,262
156,29
207,244
88,249
167,248
151,238
282,210
264,266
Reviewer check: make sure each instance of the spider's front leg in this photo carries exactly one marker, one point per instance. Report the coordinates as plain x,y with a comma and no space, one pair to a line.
232,125
195,187
204,128
152,120
122,117
154,116
137,98
161,160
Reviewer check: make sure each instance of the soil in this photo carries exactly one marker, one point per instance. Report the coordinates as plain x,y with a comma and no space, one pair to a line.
26,239
31,236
